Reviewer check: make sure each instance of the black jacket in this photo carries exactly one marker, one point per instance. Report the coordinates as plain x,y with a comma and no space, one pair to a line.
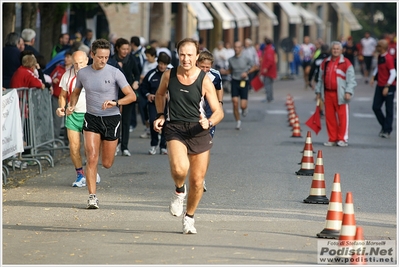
314,71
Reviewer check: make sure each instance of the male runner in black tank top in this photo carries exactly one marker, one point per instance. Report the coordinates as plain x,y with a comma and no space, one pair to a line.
187,128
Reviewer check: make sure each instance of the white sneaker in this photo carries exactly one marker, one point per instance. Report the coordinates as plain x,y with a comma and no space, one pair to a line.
80,181
153,150
244,112
188,225
131,129
164,151
98,179
330,144
92,202
176,204
342,143
117,150
126,153
146,133
238,126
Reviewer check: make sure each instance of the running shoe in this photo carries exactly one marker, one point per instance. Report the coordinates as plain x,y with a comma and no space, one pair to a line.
244,112
164,151
188,225
153,150
330,144
342,143
117,150
146,133
238,126
80,181
385,135
92,202
98,179
126,153
176,205
205,187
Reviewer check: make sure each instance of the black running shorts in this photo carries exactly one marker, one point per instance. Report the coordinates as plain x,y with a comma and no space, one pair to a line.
108,126
191,134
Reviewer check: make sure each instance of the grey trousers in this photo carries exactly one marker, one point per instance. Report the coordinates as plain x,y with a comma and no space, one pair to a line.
268,84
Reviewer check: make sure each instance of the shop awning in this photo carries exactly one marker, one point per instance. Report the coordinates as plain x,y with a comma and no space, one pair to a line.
308,19
268,12
204,18
252,16
317,20
347,14
228,21
292,12
241,17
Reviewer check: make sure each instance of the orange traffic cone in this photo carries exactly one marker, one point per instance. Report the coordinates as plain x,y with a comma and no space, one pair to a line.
359,257
348,227
296,129
291,117
334,213
307,163
291,106
289,100
308,141
318,189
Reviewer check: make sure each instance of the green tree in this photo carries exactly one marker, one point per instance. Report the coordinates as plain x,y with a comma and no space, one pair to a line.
366,15
50,20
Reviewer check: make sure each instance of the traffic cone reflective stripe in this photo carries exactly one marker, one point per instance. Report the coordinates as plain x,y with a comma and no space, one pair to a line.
307,163
348,227
358,258
309,142
291,118
289,100
317,193
334,214
296,129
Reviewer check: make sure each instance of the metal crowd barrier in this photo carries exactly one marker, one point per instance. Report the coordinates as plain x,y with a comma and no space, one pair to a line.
38,130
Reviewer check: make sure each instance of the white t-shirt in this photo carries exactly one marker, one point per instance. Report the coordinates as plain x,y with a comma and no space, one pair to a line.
308,50
67,83
148,66
368,45
220,57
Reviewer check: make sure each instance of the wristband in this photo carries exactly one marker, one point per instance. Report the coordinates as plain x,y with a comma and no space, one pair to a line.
159,115
117,104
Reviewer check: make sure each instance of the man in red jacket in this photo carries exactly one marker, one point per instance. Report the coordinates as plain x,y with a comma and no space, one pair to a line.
268,69
385,74
335,86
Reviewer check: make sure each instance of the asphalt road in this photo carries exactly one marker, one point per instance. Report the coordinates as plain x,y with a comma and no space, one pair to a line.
252,214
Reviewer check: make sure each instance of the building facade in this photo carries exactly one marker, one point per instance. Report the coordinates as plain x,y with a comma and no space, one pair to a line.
230,21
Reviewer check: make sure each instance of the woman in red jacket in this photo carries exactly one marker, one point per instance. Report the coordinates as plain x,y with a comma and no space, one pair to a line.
268,69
